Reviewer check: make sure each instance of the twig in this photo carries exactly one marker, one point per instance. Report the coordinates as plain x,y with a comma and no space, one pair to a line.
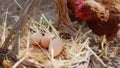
27,14
26,53
4,28
18,4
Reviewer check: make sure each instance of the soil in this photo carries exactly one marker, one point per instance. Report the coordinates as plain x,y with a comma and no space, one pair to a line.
47,7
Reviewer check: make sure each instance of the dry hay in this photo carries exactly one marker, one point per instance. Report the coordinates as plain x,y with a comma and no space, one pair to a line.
76,51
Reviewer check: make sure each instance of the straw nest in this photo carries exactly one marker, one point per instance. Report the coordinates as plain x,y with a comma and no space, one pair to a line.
75,53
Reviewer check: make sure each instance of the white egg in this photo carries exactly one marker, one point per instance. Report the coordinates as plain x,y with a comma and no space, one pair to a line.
36,38
55,46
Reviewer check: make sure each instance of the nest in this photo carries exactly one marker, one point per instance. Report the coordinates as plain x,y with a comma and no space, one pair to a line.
76,51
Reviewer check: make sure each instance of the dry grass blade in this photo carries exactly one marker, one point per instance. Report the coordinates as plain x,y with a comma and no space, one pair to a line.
56,33
96,56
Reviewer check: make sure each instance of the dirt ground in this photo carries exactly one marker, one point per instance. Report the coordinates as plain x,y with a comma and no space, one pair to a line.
48,8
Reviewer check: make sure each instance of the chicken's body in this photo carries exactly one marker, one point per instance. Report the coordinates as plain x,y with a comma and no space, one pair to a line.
103,17
109,28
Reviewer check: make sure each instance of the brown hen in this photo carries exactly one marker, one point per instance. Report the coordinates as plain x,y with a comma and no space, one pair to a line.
102,17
